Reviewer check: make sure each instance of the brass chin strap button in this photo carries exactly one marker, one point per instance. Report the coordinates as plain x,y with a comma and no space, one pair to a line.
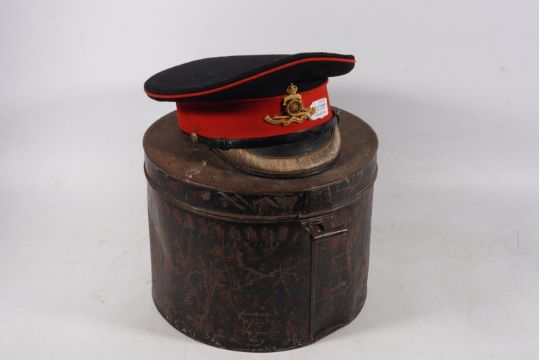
194,138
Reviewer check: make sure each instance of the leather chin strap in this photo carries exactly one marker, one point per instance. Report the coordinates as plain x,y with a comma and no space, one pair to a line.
226,144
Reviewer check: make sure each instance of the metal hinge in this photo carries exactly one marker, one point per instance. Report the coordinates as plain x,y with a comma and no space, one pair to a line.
323,230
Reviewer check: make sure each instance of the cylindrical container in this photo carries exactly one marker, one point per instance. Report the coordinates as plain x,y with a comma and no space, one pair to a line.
257,264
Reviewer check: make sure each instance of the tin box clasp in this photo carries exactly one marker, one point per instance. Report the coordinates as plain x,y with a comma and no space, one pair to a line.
324,226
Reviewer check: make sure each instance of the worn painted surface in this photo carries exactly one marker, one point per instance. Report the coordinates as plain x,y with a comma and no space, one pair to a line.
265,266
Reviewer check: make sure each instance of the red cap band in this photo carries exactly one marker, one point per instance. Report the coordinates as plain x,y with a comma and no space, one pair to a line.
245,119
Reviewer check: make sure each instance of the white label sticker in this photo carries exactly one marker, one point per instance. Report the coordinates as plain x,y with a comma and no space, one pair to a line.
321,109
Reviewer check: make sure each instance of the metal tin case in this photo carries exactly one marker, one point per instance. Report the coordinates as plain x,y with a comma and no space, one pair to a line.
256,264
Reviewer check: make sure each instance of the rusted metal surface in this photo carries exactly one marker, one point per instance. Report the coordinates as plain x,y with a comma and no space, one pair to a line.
254,264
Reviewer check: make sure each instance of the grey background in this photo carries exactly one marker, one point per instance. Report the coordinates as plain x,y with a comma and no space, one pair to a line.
449,86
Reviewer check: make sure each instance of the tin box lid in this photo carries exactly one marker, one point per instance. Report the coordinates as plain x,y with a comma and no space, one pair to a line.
193,177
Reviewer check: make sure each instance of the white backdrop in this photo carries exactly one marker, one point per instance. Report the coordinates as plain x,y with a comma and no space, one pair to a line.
449,86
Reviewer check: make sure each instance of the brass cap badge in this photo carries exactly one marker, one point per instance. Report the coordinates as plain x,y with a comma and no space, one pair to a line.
292,109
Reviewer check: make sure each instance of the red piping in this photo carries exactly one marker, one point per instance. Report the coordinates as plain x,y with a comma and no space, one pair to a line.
249,78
